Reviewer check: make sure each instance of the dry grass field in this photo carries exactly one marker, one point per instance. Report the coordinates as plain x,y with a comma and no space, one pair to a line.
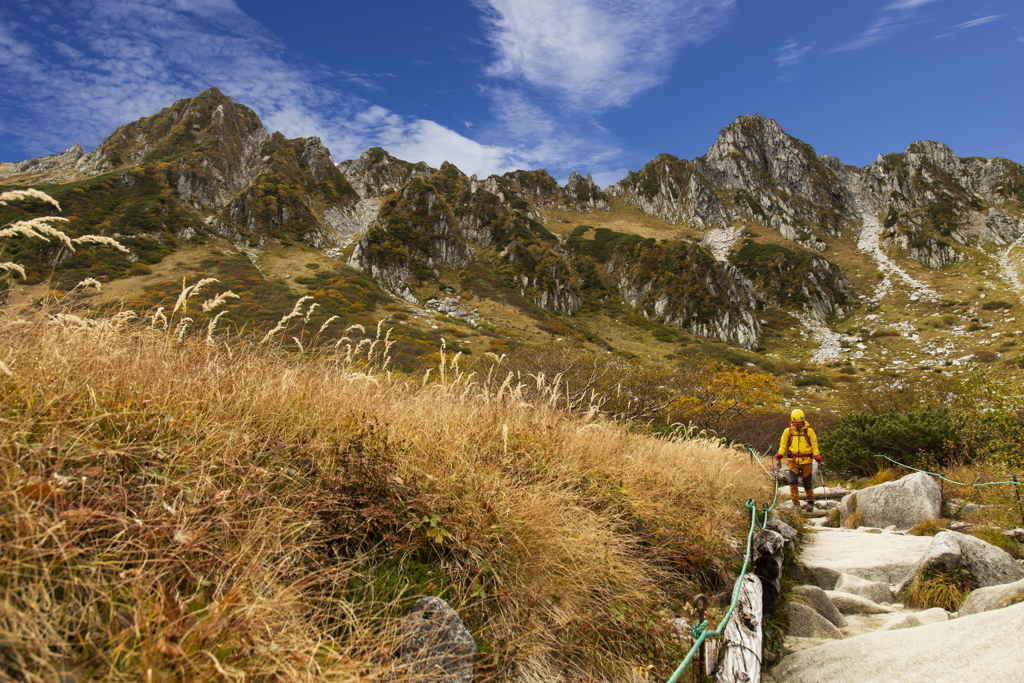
182,510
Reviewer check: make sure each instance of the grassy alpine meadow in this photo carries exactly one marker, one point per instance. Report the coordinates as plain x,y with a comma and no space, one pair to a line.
180,507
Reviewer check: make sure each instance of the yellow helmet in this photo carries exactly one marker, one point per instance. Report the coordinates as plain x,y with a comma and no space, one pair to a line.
796,416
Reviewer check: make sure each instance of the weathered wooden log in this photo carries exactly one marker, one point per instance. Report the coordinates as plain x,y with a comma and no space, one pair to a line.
741,642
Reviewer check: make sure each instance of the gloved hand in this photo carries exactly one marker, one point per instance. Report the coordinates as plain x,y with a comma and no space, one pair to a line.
778,456
817,459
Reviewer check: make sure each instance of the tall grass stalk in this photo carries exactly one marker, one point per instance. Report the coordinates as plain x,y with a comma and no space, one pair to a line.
178,510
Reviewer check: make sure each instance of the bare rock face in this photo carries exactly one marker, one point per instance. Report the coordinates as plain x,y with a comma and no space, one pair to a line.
436,644
54,168
674,191
781,175
378,174
814,597
805,622
658,281
993,597
904,503
584,194
875,591
1000,230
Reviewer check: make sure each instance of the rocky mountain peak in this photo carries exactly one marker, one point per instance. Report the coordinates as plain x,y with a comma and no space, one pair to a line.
53,168
378,174
934,154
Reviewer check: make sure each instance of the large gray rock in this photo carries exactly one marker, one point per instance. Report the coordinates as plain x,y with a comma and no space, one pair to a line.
993,597
812,596
889,558
903,503
875,591
915,619
805,622
436,642
981,647
848,603
951,550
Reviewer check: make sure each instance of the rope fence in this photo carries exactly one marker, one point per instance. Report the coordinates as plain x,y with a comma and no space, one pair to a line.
700,632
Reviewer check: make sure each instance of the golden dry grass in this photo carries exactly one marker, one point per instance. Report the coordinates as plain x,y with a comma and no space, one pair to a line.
190,511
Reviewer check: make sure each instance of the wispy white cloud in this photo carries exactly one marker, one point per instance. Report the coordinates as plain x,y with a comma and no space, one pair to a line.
96,64
895,18
979,22
594,54
119,60
792,53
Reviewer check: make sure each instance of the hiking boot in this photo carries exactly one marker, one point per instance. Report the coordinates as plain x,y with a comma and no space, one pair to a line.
810,507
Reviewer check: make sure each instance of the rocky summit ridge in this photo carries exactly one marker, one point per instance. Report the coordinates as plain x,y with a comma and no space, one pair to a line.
760,215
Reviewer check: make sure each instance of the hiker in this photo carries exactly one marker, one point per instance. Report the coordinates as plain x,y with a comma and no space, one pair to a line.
800,444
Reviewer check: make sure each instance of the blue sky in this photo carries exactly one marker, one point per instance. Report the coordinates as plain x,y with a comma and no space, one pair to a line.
601,86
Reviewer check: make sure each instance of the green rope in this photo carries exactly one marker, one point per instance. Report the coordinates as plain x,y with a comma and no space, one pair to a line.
958,483
700,632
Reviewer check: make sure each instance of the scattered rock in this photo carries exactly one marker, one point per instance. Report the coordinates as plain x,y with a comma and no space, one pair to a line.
436,642
813,596
805,622
993,597
950,550
971,509
875,591
904,503
928,616
848,603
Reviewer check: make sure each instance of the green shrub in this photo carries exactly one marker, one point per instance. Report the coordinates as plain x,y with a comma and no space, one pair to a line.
925,439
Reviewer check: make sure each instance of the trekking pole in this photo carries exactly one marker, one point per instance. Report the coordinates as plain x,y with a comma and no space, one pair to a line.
1016,488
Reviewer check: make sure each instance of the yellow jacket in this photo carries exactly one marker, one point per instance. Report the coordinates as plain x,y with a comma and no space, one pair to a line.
799,446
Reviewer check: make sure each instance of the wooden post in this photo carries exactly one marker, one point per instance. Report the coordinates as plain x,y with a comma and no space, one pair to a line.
741,642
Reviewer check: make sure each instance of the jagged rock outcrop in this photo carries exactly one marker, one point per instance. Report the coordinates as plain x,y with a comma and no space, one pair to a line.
583,194
753,172
413,235
673,190
928,198
378,174
785,277
681,284
784,180
55,168
1000,230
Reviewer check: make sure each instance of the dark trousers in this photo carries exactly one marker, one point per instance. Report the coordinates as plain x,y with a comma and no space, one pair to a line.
796,473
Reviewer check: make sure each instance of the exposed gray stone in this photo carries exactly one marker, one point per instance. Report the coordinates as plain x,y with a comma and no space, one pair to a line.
951,550
904,503
436,642
816,598
876,557
805,622
875,591
848,603
914,619
992,597
980,647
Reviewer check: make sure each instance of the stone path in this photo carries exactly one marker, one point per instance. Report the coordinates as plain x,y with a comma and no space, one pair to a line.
890,643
